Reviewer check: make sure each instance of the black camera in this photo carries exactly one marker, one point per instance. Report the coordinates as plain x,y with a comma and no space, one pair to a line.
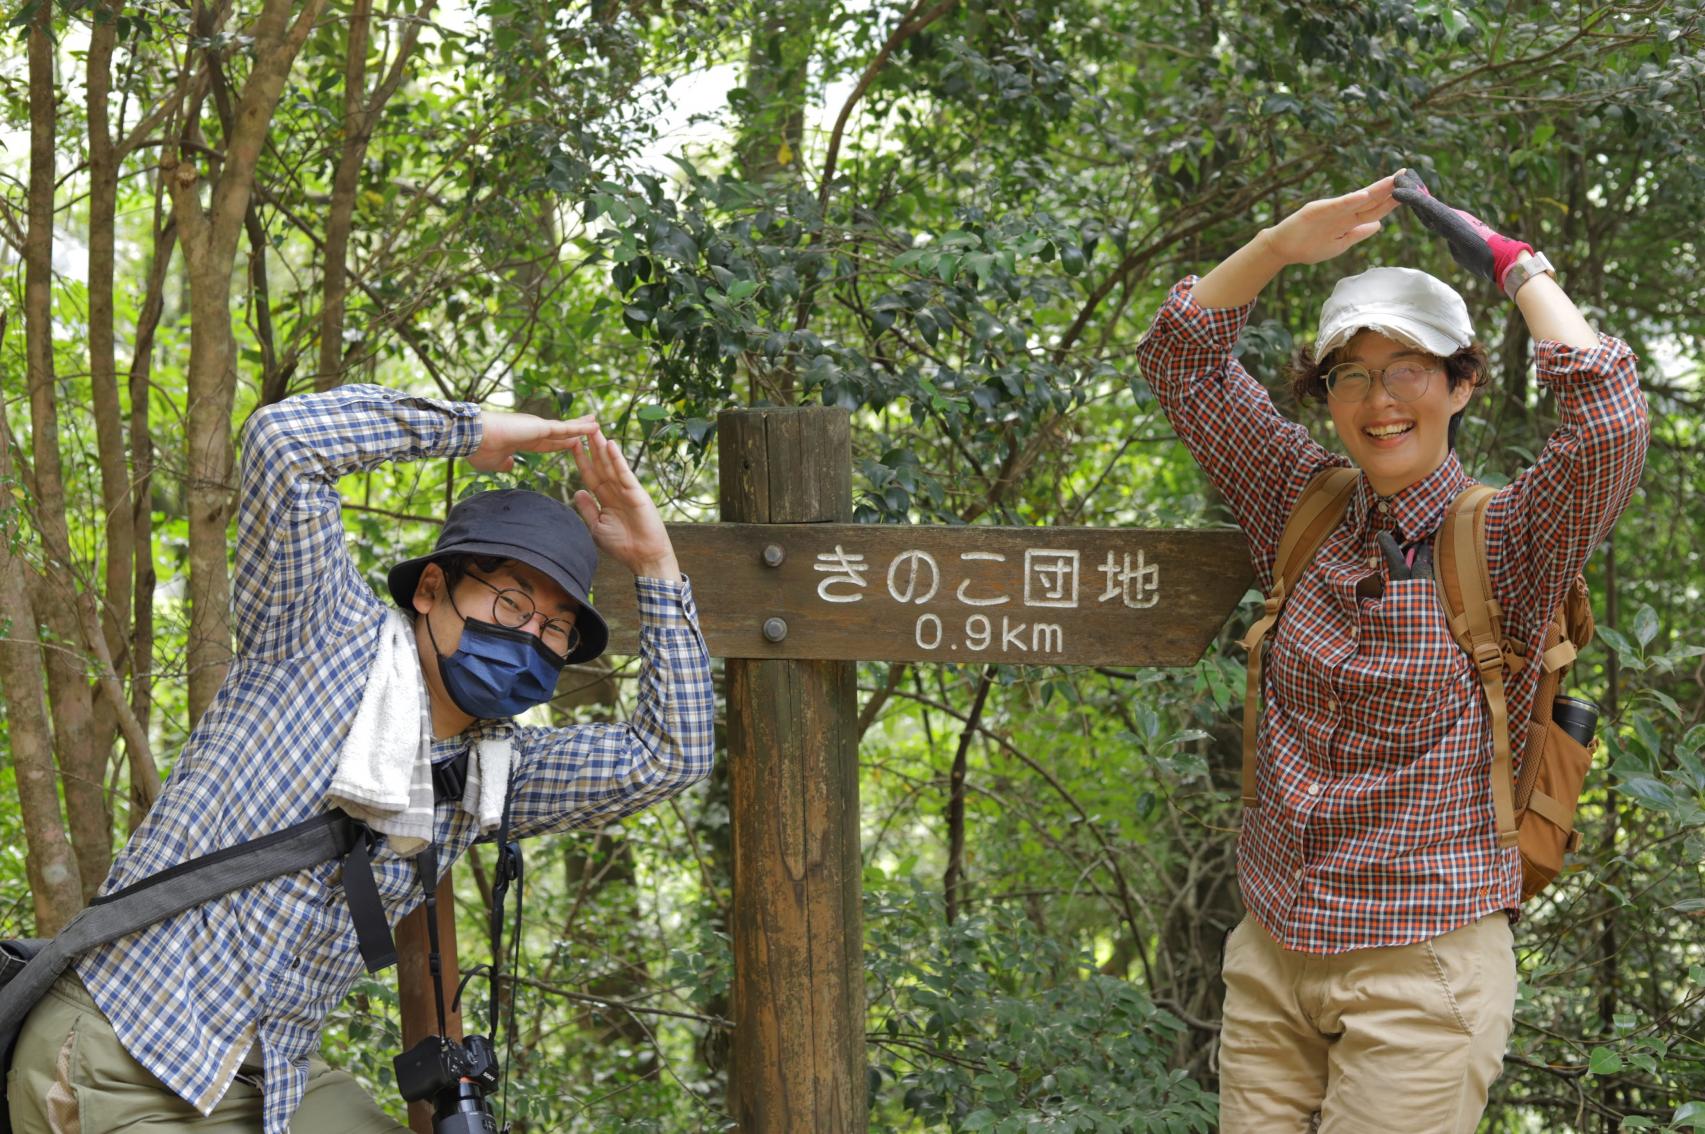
455,1077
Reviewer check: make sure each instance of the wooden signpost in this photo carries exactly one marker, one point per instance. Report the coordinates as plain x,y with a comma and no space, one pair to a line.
793,595
1018,596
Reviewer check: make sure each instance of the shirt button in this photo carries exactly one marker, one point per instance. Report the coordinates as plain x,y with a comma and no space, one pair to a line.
1331,705
1373,561
1299,877
1313,789
1384,506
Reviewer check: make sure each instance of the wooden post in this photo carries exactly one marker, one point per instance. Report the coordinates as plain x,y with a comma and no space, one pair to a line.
415,996
798,1059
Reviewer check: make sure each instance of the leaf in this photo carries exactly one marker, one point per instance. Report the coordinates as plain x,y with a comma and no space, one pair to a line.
1604,1061
1647,792
1694,740
1613,638
1667,702
1646,625
1647,732
1691,1112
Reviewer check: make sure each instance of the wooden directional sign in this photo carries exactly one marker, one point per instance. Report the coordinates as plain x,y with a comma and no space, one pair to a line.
891,592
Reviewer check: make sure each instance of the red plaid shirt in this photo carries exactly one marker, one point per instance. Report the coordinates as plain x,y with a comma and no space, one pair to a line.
1374,819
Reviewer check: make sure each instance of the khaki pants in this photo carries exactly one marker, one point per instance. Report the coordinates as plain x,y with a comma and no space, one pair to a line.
1404,1040
70,1075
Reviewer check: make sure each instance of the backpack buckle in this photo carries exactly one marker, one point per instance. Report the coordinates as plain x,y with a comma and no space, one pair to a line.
1488,658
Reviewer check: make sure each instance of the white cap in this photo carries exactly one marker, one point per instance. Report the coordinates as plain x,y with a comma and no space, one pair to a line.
1408,305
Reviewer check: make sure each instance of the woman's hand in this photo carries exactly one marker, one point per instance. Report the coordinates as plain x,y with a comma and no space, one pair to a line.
1474,244
1317,231
1322,229
505,434
620,513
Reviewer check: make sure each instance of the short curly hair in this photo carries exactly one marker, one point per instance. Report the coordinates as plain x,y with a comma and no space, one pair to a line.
1307,374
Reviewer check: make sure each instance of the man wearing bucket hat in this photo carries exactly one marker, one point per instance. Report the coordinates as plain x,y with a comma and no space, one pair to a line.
1371,985
210,1019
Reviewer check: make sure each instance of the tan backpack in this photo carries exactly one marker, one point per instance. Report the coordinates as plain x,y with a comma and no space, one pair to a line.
1536,814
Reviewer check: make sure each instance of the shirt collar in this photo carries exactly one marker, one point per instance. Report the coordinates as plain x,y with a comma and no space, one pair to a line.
1417,511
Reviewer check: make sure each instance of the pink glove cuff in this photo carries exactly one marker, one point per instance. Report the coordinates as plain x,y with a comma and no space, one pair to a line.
1505,250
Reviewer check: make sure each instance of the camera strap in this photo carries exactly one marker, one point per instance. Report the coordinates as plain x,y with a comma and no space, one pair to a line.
508,870
426,866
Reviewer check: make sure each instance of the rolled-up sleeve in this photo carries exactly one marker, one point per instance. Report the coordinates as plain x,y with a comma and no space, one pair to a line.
1254,456
1557,511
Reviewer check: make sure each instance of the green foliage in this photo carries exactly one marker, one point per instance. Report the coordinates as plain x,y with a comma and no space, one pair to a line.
1012,194
990,1025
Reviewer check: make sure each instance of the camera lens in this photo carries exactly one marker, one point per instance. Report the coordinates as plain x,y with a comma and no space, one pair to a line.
462,1109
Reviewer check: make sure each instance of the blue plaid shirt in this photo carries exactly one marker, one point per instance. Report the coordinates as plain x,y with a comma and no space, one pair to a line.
190,996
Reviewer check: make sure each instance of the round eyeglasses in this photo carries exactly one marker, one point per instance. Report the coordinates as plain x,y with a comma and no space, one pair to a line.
513,609
1404,381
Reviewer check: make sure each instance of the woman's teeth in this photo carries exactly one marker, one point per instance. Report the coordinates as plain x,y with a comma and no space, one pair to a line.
1383,431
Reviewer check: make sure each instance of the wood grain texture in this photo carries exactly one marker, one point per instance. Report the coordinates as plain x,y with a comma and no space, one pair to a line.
797,1057
1053,596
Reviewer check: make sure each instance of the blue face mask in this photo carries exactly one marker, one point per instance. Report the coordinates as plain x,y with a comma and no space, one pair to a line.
496,672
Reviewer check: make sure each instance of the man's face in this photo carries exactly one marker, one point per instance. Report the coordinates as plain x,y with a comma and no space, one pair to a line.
1396,443
513,594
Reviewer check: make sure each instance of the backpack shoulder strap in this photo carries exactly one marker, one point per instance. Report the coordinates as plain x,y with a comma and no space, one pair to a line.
1477,623
333,835
1317,514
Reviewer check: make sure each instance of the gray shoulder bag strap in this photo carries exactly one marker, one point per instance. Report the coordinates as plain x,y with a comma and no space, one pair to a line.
29,967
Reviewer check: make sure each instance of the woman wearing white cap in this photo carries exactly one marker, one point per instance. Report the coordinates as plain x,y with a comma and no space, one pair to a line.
1372,985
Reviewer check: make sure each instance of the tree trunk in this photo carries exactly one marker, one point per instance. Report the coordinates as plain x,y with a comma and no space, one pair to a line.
49,861
55,885
118,508
360,112
778,57
142,456
81,765
209,239
953,880
340,217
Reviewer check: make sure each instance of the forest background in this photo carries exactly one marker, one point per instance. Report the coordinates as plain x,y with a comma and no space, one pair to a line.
954,219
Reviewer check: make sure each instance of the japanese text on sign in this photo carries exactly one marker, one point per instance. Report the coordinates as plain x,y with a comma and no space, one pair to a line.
1043,579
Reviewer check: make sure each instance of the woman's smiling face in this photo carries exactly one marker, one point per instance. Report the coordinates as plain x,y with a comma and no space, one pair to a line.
1396,443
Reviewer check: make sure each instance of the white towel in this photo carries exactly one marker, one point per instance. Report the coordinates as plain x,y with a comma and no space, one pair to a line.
488,767
384,773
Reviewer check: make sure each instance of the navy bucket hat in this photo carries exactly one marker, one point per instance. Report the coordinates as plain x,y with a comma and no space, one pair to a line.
529,528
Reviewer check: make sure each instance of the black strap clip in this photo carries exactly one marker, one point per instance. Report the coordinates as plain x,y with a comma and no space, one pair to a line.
450,778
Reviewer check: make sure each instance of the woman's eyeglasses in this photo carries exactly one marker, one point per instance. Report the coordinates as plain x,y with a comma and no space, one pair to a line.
1404,381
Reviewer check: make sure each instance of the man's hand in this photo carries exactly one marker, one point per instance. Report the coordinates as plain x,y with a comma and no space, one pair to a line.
623,519
505,434
1473,243
1322,229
